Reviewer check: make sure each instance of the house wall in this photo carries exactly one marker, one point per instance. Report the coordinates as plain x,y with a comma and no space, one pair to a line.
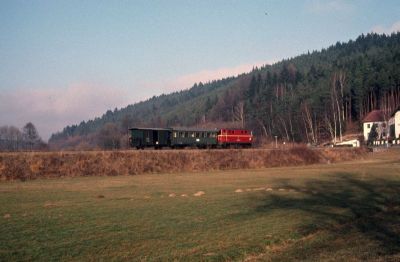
394,123
381,129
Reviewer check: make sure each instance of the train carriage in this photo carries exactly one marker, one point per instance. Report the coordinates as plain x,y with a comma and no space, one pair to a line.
150,137
201,138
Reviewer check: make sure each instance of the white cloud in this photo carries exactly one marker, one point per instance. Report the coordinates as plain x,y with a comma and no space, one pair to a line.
186,81
52,109
379,29
329,6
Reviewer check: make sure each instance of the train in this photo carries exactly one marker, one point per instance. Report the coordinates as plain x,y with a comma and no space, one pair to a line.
176,138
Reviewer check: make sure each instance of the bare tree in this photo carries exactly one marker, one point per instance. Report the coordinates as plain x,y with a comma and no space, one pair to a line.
12,139
238,113
109,136
309,122
30,136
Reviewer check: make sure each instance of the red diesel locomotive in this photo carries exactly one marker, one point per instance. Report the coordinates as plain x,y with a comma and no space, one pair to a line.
235,138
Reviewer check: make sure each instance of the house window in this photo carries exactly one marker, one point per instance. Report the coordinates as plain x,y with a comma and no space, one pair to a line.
368,125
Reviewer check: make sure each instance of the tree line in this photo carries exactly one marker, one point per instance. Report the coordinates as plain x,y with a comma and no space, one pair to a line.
14,139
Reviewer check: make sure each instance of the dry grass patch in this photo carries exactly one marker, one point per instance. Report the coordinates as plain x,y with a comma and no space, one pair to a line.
26,166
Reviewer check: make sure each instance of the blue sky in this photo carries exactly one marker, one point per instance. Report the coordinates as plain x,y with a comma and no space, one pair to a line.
69,61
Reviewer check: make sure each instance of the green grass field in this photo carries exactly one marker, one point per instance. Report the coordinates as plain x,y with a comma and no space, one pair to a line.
348,211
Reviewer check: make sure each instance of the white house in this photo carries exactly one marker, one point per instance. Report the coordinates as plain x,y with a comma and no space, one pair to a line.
394,124
377,118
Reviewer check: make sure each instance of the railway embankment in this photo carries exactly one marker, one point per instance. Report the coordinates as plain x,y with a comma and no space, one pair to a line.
33,165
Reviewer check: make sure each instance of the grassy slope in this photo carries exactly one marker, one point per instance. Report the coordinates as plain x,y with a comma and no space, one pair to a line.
347,211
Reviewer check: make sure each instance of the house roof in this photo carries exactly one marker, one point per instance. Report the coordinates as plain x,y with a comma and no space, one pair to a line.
194,129
149,128
395,111
374,116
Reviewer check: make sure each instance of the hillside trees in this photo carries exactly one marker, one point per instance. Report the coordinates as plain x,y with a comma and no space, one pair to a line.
310,98
109,136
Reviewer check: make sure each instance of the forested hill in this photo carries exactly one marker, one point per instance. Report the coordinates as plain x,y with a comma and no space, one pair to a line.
313,97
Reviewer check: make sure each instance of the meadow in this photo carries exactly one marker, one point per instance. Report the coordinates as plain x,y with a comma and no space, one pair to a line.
348,211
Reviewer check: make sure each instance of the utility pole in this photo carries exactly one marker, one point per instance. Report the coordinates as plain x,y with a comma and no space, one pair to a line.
276,141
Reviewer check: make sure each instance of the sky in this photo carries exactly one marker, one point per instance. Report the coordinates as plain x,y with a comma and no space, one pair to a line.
62,62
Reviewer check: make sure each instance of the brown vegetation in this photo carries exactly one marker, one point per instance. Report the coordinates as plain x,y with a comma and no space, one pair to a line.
30,165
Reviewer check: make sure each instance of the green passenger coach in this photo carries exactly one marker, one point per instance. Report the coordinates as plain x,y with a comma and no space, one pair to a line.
150,137
201,138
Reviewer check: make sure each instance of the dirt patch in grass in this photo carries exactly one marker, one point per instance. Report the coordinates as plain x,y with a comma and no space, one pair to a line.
32,165
200,193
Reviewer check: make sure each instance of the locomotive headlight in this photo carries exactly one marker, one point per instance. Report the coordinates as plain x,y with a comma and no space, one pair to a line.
156,142
250,138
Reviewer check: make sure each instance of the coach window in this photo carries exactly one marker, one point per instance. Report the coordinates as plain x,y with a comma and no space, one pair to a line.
175,134
192,134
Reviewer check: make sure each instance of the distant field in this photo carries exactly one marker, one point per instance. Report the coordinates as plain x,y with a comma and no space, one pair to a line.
346,211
